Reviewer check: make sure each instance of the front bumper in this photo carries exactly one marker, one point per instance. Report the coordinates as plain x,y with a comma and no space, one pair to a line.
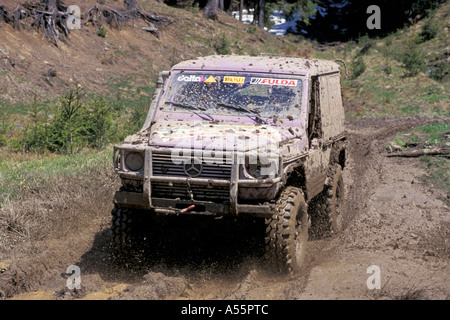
177,206
228,188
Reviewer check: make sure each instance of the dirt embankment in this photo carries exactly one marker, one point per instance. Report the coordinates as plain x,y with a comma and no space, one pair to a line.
394,222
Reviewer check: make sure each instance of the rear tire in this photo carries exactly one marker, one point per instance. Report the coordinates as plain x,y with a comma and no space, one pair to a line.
327,209
287,231
335,201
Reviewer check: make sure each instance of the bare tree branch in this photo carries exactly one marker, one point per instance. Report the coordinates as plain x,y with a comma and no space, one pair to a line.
421,152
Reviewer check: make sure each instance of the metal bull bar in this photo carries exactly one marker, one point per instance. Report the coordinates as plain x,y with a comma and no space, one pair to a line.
178,206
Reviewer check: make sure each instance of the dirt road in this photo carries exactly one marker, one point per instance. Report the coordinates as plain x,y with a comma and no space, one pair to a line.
394,223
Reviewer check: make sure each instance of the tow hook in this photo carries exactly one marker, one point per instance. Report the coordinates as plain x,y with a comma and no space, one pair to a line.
187,209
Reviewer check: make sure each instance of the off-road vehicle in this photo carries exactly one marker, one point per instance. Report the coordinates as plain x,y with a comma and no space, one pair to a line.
240,136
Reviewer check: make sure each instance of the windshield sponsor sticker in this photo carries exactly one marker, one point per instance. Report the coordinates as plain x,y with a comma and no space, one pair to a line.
194,78
190,78
274,82
210,79
230,79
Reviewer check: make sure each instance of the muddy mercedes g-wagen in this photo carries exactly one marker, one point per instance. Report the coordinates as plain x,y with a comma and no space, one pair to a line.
239,136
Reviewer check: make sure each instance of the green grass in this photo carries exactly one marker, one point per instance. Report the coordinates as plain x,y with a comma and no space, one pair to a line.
430,135
438,172
409,110
389,86
19,176
434,131
7,108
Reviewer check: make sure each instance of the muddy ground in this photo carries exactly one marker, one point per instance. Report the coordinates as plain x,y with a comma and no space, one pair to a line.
393,221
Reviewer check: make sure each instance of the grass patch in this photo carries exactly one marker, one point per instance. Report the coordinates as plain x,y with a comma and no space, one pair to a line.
409,110
438,172
434,132
429,136
400,76
21,173
53,196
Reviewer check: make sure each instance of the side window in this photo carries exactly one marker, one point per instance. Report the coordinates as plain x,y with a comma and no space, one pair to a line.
335,95
314,117
325,103
331,106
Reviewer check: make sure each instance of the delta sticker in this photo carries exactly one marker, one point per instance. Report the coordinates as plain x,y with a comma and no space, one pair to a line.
194,78
274,82
190,78
230,79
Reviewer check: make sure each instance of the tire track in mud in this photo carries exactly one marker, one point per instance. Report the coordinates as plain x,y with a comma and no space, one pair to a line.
247,279
381,197
363,175
222,262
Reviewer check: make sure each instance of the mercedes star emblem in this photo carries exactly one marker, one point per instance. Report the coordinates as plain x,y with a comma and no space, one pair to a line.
193,169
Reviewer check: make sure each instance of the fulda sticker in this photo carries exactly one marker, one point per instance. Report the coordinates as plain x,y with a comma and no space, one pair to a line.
274,82
230,79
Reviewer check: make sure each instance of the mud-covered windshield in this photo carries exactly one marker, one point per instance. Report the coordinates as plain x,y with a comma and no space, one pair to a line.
228,94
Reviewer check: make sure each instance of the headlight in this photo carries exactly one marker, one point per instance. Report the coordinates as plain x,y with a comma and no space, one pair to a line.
254,170
134,161
261,169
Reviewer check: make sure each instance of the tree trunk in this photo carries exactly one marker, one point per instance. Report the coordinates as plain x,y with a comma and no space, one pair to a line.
130,5
261,5
211,9
241,8
229,7
255,13
51,5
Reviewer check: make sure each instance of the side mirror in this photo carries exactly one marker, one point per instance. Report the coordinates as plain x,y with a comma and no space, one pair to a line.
162,77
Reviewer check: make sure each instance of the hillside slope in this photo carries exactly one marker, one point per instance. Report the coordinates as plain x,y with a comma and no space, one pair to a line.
123,60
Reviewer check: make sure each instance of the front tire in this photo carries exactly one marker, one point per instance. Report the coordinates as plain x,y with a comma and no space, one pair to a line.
287,231
121,229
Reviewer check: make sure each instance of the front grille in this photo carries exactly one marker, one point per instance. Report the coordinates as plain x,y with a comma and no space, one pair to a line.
216,194
164,166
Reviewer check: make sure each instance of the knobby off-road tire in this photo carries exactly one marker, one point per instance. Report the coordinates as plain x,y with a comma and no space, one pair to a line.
123,238
287,232
327,211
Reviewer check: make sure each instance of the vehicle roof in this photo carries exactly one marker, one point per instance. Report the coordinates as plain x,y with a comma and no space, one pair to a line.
259,64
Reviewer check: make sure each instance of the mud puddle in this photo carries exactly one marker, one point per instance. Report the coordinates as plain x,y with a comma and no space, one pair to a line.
394,222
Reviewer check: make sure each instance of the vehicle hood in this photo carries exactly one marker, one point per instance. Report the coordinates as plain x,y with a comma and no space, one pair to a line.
226,137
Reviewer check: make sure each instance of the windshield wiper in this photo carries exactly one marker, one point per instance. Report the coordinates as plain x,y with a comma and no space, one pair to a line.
242,108
189,106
